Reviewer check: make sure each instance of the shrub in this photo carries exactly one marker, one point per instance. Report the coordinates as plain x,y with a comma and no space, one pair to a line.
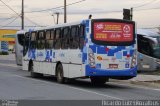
4,53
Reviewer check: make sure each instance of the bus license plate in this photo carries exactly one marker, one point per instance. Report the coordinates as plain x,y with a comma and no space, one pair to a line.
113,66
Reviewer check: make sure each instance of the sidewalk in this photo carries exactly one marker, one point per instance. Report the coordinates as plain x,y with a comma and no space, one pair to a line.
146,78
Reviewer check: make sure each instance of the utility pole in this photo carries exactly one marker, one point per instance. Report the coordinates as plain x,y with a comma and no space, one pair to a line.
57,13
65,12
22,15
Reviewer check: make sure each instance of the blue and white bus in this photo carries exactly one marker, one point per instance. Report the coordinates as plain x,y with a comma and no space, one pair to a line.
148,50
98,49
19,39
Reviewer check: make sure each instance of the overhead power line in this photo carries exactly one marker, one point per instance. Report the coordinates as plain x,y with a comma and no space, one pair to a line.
107,12
156,8
25,26
59,7
145,4
10,22
7,19
16,12
32,21
10,7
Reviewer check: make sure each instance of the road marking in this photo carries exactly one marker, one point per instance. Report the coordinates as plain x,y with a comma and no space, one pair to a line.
10,65
84,90
136,86
13,65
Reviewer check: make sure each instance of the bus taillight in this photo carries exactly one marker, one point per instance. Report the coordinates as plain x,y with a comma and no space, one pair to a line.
134,60
91,58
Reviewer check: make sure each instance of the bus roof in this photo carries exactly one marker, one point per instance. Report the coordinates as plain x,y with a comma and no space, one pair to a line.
20,32
59,25
68,24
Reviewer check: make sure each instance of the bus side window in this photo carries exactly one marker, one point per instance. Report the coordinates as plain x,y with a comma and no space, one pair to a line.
82,36
52,38
74,37
65,38
33,40
26,44
38,41
48,36
57,42
41,40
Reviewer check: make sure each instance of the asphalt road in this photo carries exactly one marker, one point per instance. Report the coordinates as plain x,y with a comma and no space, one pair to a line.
16,84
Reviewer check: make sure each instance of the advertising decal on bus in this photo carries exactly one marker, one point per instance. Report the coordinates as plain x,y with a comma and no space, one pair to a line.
113,33
110,31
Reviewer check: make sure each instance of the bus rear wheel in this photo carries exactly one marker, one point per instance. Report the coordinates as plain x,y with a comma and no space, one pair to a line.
99,80
59,74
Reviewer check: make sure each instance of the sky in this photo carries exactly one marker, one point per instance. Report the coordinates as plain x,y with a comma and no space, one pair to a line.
146,13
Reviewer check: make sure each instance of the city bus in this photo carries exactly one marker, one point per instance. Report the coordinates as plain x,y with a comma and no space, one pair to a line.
98,49
19,39
148,50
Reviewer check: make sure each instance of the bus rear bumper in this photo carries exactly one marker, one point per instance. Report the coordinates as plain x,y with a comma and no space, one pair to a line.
111,73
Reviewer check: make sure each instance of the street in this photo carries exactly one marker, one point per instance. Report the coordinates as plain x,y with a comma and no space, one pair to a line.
16,84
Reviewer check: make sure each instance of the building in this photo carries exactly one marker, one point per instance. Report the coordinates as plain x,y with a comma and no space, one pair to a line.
7,35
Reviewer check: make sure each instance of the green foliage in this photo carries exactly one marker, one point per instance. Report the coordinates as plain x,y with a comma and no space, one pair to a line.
4,53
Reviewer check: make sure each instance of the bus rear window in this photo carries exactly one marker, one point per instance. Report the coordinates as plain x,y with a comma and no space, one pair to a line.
113,32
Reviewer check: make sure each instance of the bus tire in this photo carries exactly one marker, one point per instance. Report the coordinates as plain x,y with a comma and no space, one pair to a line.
59,74
95,80
32,73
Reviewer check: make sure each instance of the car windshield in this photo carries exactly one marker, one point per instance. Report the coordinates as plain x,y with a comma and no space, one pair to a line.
156,47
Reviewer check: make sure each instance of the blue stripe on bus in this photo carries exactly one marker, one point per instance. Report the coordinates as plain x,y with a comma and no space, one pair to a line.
111,52
119,55
101,50
87,30
93,48
131,52
124,53
34,54
101,72
84,57
87,23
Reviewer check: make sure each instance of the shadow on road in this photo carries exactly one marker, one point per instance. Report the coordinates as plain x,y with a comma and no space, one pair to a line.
84,83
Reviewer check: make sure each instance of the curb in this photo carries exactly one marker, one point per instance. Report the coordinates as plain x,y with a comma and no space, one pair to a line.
155,84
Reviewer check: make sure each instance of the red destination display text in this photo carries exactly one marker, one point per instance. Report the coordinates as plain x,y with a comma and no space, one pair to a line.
113,31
